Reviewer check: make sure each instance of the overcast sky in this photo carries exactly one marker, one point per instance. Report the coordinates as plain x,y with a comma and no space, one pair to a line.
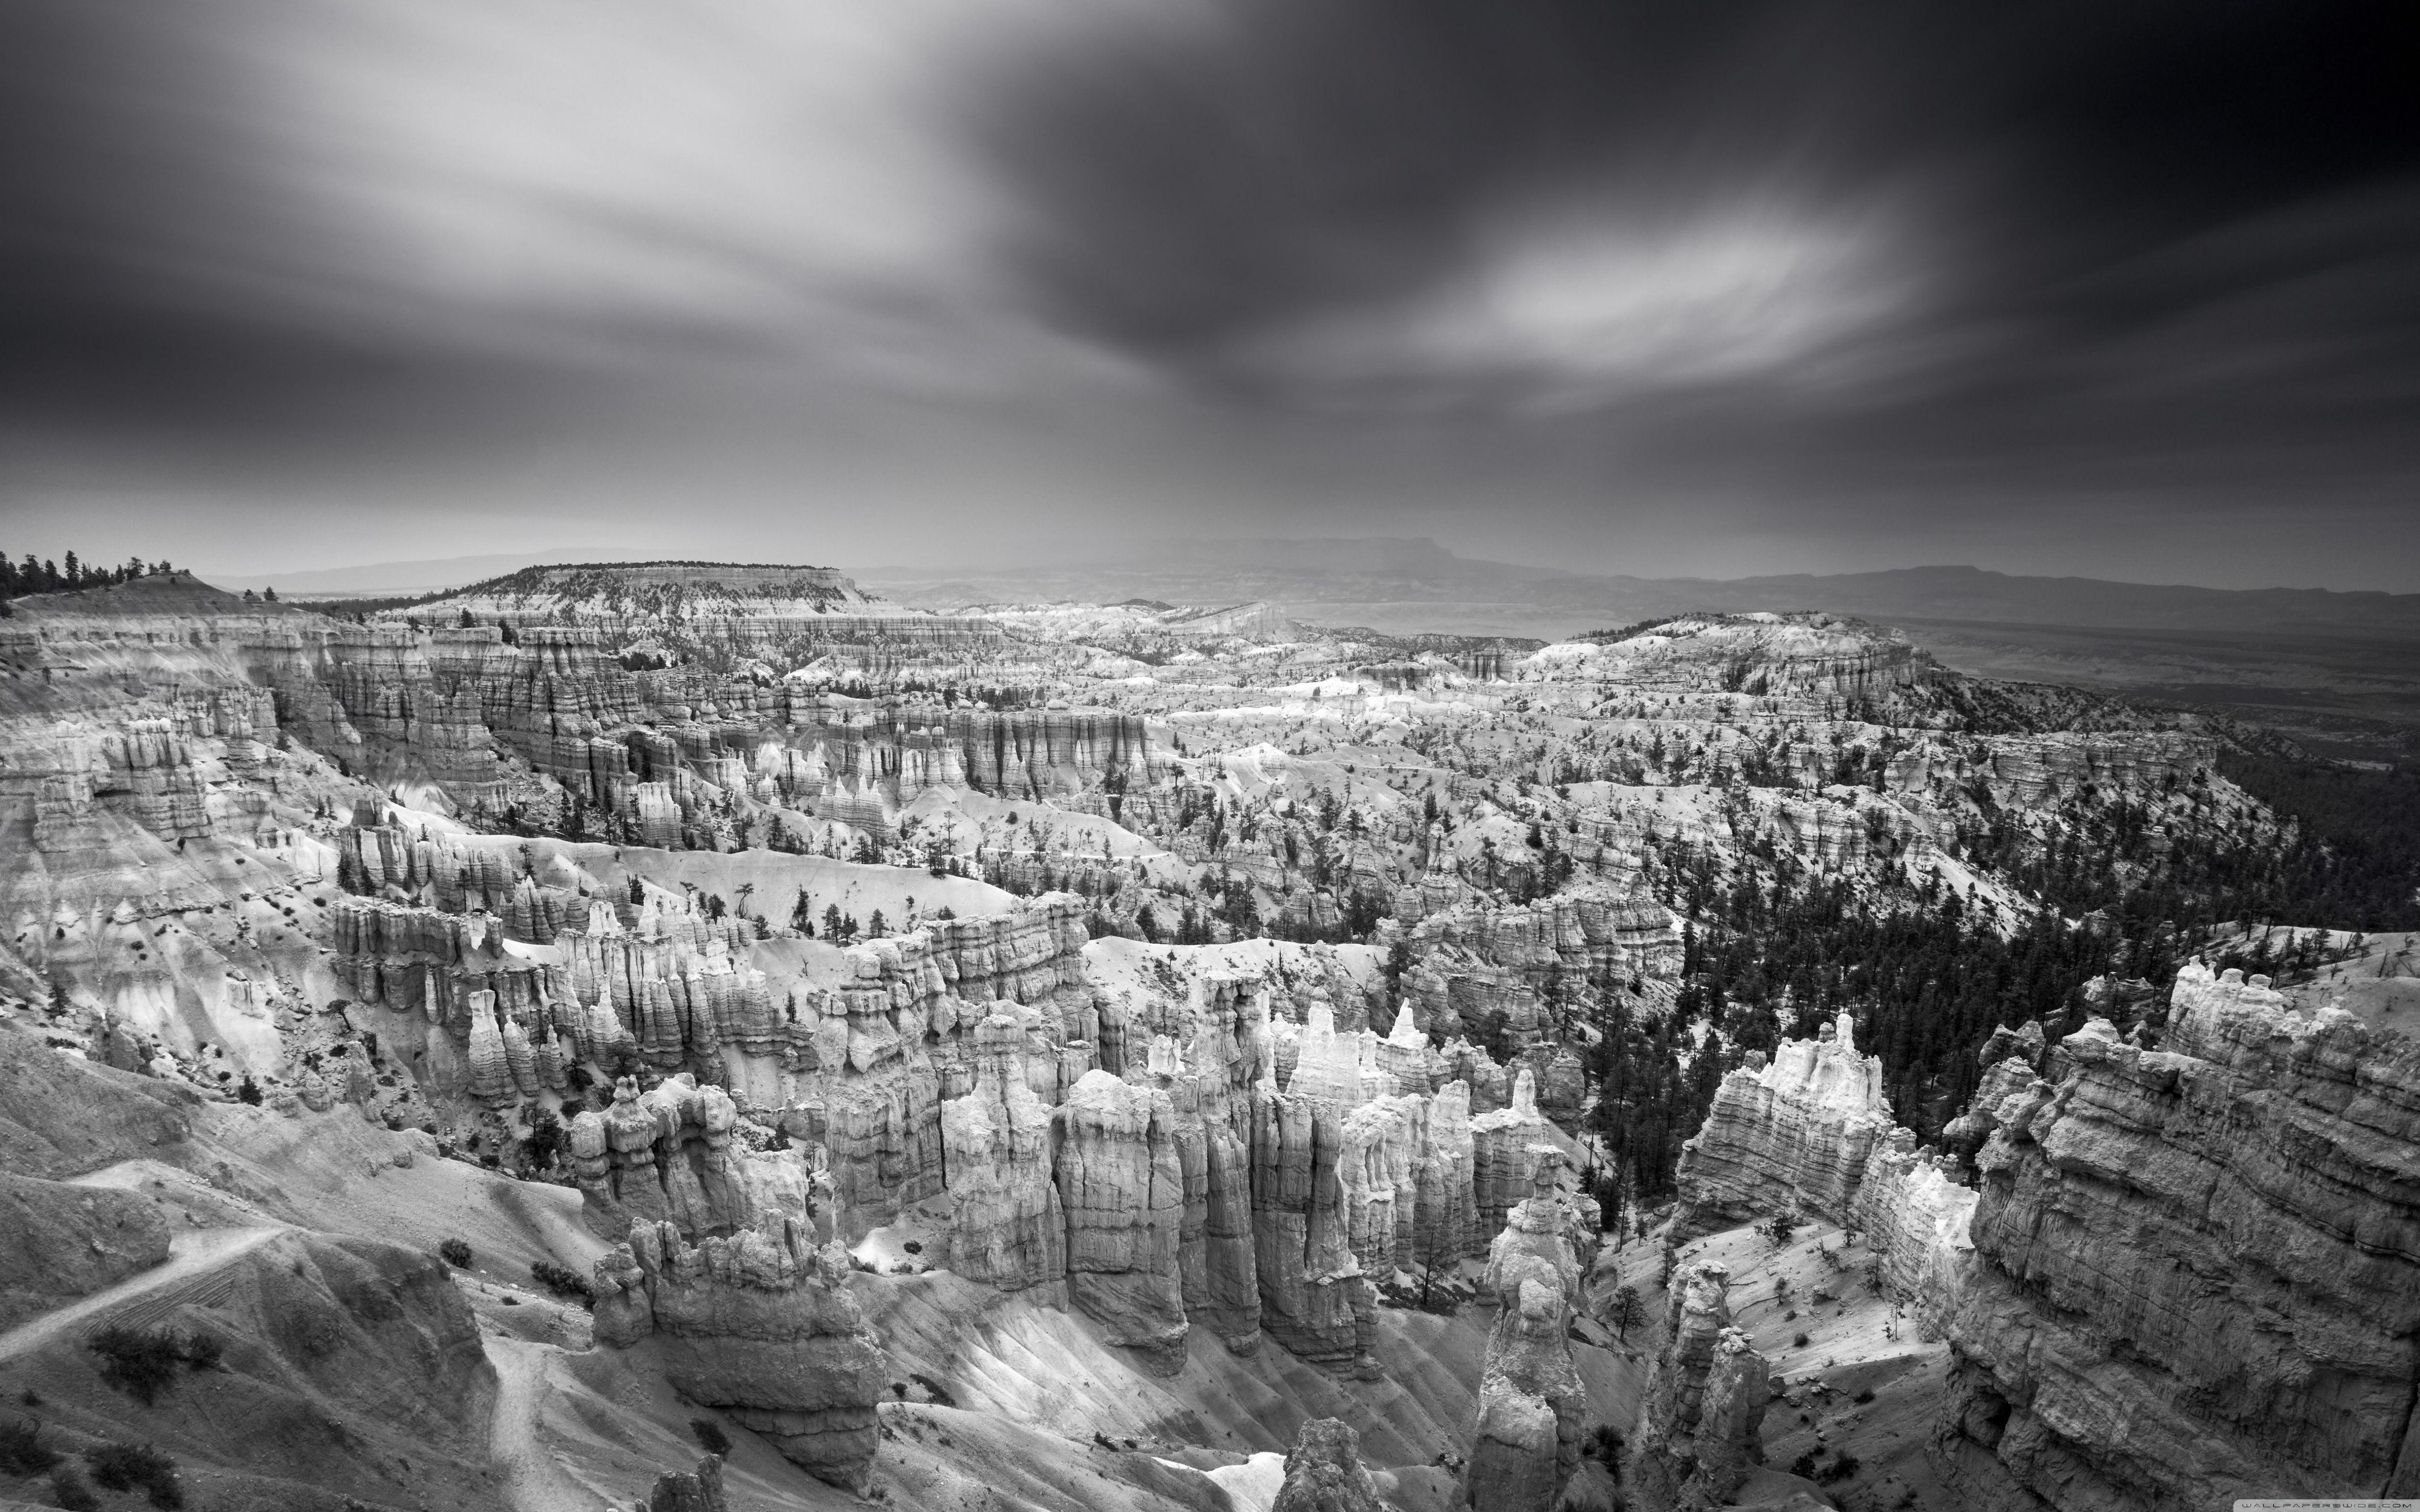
2113,289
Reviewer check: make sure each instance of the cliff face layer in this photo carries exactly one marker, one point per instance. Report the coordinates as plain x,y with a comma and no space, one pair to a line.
761,1325
2196,1270
1792,1136
2190,1274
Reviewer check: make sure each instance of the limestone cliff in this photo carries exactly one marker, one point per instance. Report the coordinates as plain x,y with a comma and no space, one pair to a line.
762,1325
2188,1275
1789,1137
1315,1299
1122,1191
1008,1226
2195,1273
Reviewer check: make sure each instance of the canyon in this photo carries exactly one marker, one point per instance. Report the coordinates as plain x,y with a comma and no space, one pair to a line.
1132,1055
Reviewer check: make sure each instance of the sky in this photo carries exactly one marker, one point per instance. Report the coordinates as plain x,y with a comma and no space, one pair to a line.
2125,290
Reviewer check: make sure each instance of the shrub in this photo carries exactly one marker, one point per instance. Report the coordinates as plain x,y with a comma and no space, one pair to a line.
1864,1397
204,1351
709,1435
546,1141
1798,1340
126,1467
934,1389
563,1282
140,1365
248,1091
1804,1465
455,1252
1838,1470
21,1449
1603,1446
69,1490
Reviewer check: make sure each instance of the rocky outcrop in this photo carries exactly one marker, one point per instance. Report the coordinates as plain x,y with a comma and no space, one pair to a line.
1007,1226
667,1156
1793,1137
1592,934
1315,1299
1915,1216
2196,1270
1123,1191
761,1325
684,1491
1526,1444
1700,1426
1323,1471
1508,1146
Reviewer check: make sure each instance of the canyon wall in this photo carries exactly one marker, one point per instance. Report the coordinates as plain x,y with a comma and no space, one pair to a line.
2196,1272
2190,1274
1793,1137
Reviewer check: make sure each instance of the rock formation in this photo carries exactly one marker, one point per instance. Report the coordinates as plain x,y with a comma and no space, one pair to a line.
667,1155
1700,1426
1792,1136
1508,1148
1007,1226
1323,1471
1315,1299
1526,1444
683,1491
761,1325
2195,1276
1122,1191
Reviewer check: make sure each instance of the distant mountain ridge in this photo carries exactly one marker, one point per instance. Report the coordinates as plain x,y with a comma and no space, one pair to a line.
1404,572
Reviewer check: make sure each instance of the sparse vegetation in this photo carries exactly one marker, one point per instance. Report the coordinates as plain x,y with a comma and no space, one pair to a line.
563,1282
71,1491
126,1467
21,1449
1626,1313
1604,1444
1838,1471
709,1435
143,1364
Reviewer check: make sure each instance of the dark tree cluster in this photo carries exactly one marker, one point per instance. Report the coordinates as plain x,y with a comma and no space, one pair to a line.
32,575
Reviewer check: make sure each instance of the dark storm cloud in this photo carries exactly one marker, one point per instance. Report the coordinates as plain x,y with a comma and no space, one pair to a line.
1832,269
2084,236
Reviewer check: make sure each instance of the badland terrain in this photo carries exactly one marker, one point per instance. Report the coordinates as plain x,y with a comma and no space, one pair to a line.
698,1035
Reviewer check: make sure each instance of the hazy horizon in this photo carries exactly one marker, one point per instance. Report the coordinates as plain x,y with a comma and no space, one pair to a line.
1703,291
475,566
